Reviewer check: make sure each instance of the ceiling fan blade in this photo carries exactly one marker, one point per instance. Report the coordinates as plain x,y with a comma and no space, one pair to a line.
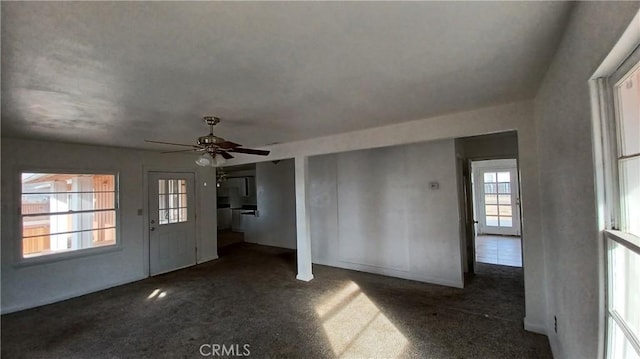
190,150
249,151
227,145
225,154
169,143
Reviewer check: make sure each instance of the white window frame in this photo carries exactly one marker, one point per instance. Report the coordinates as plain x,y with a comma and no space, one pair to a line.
72,254
605,142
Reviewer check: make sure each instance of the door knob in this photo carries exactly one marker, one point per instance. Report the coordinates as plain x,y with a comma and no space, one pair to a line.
152,229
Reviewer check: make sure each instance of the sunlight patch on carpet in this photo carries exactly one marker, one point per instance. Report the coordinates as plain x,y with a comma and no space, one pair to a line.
356,327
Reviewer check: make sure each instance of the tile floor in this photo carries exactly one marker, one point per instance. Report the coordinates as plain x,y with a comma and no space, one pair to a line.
501,250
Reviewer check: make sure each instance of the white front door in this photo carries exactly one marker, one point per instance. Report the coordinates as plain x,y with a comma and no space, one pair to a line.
497,200
172,240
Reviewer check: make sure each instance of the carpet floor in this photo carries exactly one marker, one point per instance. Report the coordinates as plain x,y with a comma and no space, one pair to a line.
248,303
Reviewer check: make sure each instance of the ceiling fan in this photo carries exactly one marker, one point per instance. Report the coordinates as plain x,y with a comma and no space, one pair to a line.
211,146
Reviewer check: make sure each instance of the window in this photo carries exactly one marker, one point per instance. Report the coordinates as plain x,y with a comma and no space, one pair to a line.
172,201
623,298
627,94
623,238
63,212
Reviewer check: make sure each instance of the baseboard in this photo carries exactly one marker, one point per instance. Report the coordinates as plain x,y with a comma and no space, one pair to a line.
390,273
207,259
553,343
51,300
276,245
535,327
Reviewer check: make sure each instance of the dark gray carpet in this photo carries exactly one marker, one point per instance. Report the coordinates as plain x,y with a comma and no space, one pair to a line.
250,296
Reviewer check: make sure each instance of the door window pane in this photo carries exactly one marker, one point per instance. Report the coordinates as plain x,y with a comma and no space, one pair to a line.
491,221
506,221
490,188
490,199
504,177
172,203
489,177
504,187
491,210
163,216
505,211
504,199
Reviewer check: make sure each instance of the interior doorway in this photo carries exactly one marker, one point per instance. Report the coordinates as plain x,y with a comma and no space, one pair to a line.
496,205
489,200
236,202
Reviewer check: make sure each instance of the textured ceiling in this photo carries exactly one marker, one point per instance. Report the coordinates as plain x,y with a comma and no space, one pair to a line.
117,73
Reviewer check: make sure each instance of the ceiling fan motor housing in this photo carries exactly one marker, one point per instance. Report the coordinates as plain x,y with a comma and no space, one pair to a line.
210,139
211,120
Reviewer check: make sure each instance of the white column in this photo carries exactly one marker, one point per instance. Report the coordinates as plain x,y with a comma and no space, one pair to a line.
302,219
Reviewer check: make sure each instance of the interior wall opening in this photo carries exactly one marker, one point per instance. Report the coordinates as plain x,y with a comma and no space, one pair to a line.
489,197
236,199
496,202
257,204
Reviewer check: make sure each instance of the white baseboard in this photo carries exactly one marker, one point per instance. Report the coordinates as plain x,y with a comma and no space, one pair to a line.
535,327
50,300
390,273
207,259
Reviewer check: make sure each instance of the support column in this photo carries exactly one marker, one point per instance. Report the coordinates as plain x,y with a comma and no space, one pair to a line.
302,219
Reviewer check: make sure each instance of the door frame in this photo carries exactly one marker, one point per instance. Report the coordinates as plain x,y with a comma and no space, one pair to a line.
144,211
470,224
515,193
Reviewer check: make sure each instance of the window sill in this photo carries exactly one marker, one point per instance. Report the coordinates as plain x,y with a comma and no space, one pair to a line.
64,256
626,239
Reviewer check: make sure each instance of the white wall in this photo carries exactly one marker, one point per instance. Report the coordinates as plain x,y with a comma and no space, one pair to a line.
563,126
25,286
500,145
373,210
276,200
517,116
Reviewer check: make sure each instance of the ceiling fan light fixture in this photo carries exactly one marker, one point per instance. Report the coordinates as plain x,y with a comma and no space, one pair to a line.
210,160
219,160
205,160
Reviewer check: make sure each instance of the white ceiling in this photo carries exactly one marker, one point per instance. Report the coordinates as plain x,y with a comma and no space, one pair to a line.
117,73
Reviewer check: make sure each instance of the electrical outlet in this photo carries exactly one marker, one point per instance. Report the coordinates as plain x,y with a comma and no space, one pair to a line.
555,324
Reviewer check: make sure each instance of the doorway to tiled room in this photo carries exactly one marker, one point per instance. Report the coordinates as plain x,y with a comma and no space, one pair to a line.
496,204
501,250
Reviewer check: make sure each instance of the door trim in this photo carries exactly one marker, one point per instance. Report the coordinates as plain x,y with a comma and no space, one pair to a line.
144,211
